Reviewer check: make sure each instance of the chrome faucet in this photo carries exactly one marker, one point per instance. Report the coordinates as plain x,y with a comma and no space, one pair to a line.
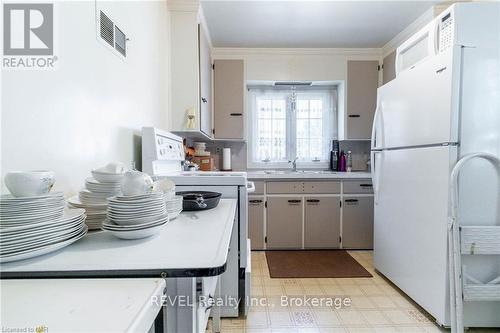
294,164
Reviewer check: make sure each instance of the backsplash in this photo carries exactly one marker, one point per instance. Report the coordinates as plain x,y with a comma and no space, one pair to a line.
238,153
360,153
360,150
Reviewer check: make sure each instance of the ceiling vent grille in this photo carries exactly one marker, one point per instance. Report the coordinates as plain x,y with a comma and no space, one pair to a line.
106,29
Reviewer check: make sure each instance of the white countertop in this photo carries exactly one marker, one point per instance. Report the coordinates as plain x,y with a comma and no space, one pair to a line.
308,174
186,246
75,305
226,178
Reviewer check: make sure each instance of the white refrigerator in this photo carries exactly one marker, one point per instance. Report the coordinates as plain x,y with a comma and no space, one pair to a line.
444,103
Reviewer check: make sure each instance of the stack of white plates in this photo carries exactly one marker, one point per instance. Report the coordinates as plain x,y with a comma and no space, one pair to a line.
96,214
174,206
134,231
138,216
97,187
35,238
15,211
94,198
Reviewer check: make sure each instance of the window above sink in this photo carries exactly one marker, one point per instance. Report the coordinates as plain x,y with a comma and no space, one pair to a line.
289,122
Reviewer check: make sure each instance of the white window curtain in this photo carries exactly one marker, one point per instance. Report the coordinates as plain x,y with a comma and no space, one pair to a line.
286,124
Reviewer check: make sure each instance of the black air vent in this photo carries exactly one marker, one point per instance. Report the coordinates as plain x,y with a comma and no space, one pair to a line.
120,41
106,29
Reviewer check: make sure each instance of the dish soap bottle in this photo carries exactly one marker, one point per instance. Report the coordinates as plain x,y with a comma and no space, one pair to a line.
342,162
349,161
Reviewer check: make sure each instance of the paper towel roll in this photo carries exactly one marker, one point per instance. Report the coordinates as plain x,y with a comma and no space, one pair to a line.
226,159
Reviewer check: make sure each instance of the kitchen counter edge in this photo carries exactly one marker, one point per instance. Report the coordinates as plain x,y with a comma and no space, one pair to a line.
260,175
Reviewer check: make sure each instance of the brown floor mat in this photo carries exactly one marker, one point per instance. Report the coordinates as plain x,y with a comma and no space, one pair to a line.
314,264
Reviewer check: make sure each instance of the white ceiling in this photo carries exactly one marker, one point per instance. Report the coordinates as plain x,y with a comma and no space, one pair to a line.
297,24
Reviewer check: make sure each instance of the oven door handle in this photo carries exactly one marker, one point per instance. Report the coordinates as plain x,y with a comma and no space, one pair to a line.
250,187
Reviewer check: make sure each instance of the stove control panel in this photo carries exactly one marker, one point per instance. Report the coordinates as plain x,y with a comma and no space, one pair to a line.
162,151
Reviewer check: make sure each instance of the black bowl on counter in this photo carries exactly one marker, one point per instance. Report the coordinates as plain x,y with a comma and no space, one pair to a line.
199,200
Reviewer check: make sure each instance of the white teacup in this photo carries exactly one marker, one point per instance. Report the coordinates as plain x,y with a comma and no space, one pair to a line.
29,183
113,167
136,183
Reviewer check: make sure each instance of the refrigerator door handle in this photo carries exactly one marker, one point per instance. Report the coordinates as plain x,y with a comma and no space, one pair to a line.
375,175
376,118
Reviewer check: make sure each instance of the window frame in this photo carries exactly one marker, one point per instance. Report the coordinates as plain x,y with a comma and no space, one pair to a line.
291,122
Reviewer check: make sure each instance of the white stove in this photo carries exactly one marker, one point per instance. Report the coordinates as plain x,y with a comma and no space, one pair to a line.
162,157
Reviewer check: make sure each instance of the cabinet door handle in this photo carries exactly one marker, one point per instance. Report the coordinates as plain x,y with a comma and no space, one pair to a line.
210,302
255,201
351,200
354,116
366,185
313,200
235,114
294,201
204,100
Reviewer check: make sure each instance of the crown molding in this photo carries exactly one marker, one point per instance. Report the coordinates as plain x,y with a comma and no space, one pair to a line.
204,26
243,52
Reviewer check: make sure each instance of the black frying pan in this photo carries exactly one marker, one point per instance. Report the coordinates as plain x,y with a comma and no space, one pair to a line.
199,200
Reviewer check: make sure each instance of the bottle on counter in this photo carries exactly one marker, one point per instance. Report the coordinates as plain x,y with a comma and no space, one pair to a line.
349,161
334,156
342,162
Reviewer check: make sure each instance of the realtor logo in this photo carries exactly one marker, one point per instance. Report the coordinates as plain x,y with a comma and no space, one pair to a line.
28,36
28,29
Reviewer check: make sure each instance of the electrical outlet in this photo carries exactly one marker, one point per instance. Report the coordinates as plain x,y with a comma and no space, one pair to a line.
218,150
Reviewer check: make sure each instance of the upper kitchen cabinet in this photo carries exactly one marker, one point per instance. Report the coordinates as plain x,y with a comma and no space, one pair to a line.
191,73
361,99
229,105
389,68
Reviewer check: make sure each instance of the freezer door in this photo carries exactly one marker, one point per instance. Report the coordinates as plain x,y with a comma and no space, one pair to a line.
418,108
410,228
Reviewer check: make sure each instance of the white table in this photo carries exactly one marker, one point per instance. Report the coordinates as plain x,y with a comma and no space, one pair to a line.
77,305
194,244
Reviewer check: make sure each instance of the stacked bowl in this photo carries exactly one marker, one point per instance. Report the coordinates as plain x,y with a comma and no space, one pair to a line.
34,222
173,202
136,216
174,206
96,213
104,183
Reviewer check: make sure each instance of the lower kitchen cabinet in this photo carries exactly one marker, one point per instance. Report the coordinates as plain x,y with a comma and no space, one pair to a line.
322,222
284,222
357,222
256,211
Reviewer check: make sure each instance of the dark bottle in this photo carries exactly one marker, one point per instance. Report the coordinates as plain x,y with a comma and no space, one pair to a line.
334,156
334,160
342,162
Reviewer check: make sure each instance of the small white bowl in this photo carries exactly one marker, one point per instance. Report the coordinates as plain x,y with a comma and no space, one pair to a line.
29,183
106,177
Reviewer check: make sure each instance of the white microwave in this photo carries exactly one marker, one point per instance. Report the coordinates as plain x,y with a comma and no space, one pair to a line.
435,37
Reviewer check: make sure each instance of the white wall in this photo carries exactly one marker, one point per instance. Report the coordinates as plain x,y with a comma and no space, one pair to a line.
90,110
296,64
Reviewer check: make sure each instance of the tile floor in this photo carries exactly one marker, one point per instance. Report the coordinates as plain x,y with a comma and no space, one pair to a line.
376,306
